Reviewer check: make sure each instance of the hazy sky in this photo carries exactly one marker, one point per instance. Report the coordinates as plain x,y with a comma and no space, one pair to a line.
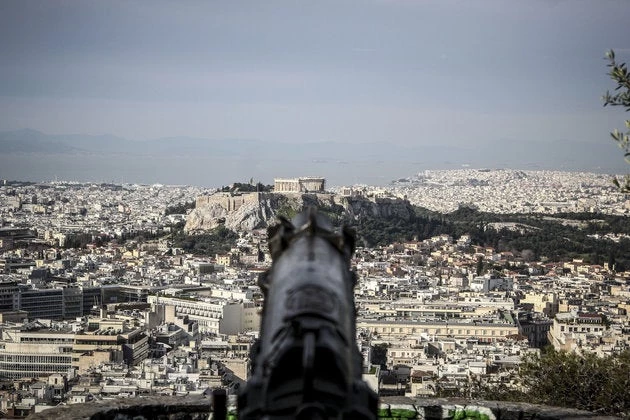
354,71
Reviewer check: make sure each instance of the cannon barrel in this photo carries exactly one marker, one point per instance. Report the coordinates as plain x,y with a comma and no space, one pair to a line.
306,363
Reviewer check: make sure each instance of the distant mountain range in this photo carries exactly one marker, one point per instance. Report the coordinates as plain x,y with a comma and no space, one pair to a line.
32,155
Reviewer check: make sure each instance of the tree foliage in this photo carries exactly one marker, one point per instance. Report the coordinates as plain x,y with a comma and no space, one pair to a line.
379,354
180,208
251,187
585,382
543,236
218,241
81,240
561,379
621,97
477,387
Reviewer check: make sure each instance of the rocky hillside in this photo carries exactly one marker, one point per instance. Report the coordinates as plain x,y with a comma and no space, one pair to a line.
260,213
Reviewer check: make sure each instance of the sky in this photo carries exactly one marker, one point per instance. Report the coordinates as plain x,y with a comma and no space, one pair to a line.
352,71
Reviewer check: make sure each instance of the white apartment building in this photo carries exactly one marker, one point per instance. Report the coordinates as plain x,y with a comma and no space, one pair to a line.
462,329
573,331
487,283
207,313
240,317
30,354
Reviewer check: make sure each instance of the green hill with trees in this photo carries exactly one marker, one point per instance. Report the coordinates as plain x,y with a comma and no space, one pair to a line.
552,237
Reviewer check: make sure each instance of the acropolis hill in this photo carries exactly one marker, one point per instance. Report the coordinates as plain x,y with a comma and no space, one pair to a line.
252,210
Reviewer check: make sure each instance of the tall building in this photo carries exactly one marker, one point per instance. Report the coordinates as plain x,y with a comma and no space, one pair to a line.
573,331
42,303
9,296
65,302
92,299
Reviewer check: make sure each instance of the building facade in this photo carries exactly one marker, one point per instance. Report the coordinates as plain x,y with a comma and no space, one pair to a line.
576,331
484,332
207,313
66,302
33,350
240,317
30,354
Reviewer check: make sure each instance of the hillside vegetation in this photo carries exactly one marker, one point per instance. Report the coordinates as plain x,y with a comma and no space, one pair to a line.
382,222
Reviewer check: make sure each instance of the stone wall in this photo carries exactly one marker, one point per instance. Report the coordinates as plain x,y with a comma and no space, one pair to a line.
155,407
197,408
227,201
462,409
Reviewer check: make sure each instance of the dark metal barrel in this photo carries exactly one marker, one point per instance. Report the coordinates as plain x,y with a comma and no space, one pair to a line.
306,363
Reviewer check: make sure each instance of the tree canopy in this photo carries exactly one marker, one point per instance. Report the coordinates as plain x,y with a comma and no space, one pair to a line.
561,379
217,241
586,382
620,97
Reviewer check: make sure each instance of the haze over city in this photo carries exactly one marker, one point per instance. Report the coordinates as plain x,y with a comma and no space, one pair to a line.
355,91
329,209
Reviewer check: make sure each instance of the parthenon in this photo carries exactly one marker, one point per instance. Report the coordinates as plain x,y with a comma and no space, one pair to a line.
303,184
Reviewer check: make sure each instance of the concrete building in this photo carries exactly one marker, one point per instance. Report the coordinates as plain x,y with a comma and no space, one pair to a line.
407,355
32,350
206,313
573,331
42,303
9,296
484,332
30,354
126,344
54,303
543,302
488,283
92,299
225,260
239,317
14,317
120,293
536,330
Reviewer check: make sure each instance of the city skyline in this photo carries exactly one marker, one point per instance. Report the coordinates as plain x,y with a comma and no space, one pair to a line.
417,76
128,291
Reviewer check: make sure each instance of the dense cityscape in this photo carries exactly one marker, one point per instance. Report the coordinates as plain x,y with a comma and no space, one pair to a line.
100,299
335,209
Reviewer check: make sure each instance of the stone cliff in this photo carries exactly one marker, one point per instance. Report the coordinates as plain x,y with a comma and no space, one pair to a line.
257,210
359,207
